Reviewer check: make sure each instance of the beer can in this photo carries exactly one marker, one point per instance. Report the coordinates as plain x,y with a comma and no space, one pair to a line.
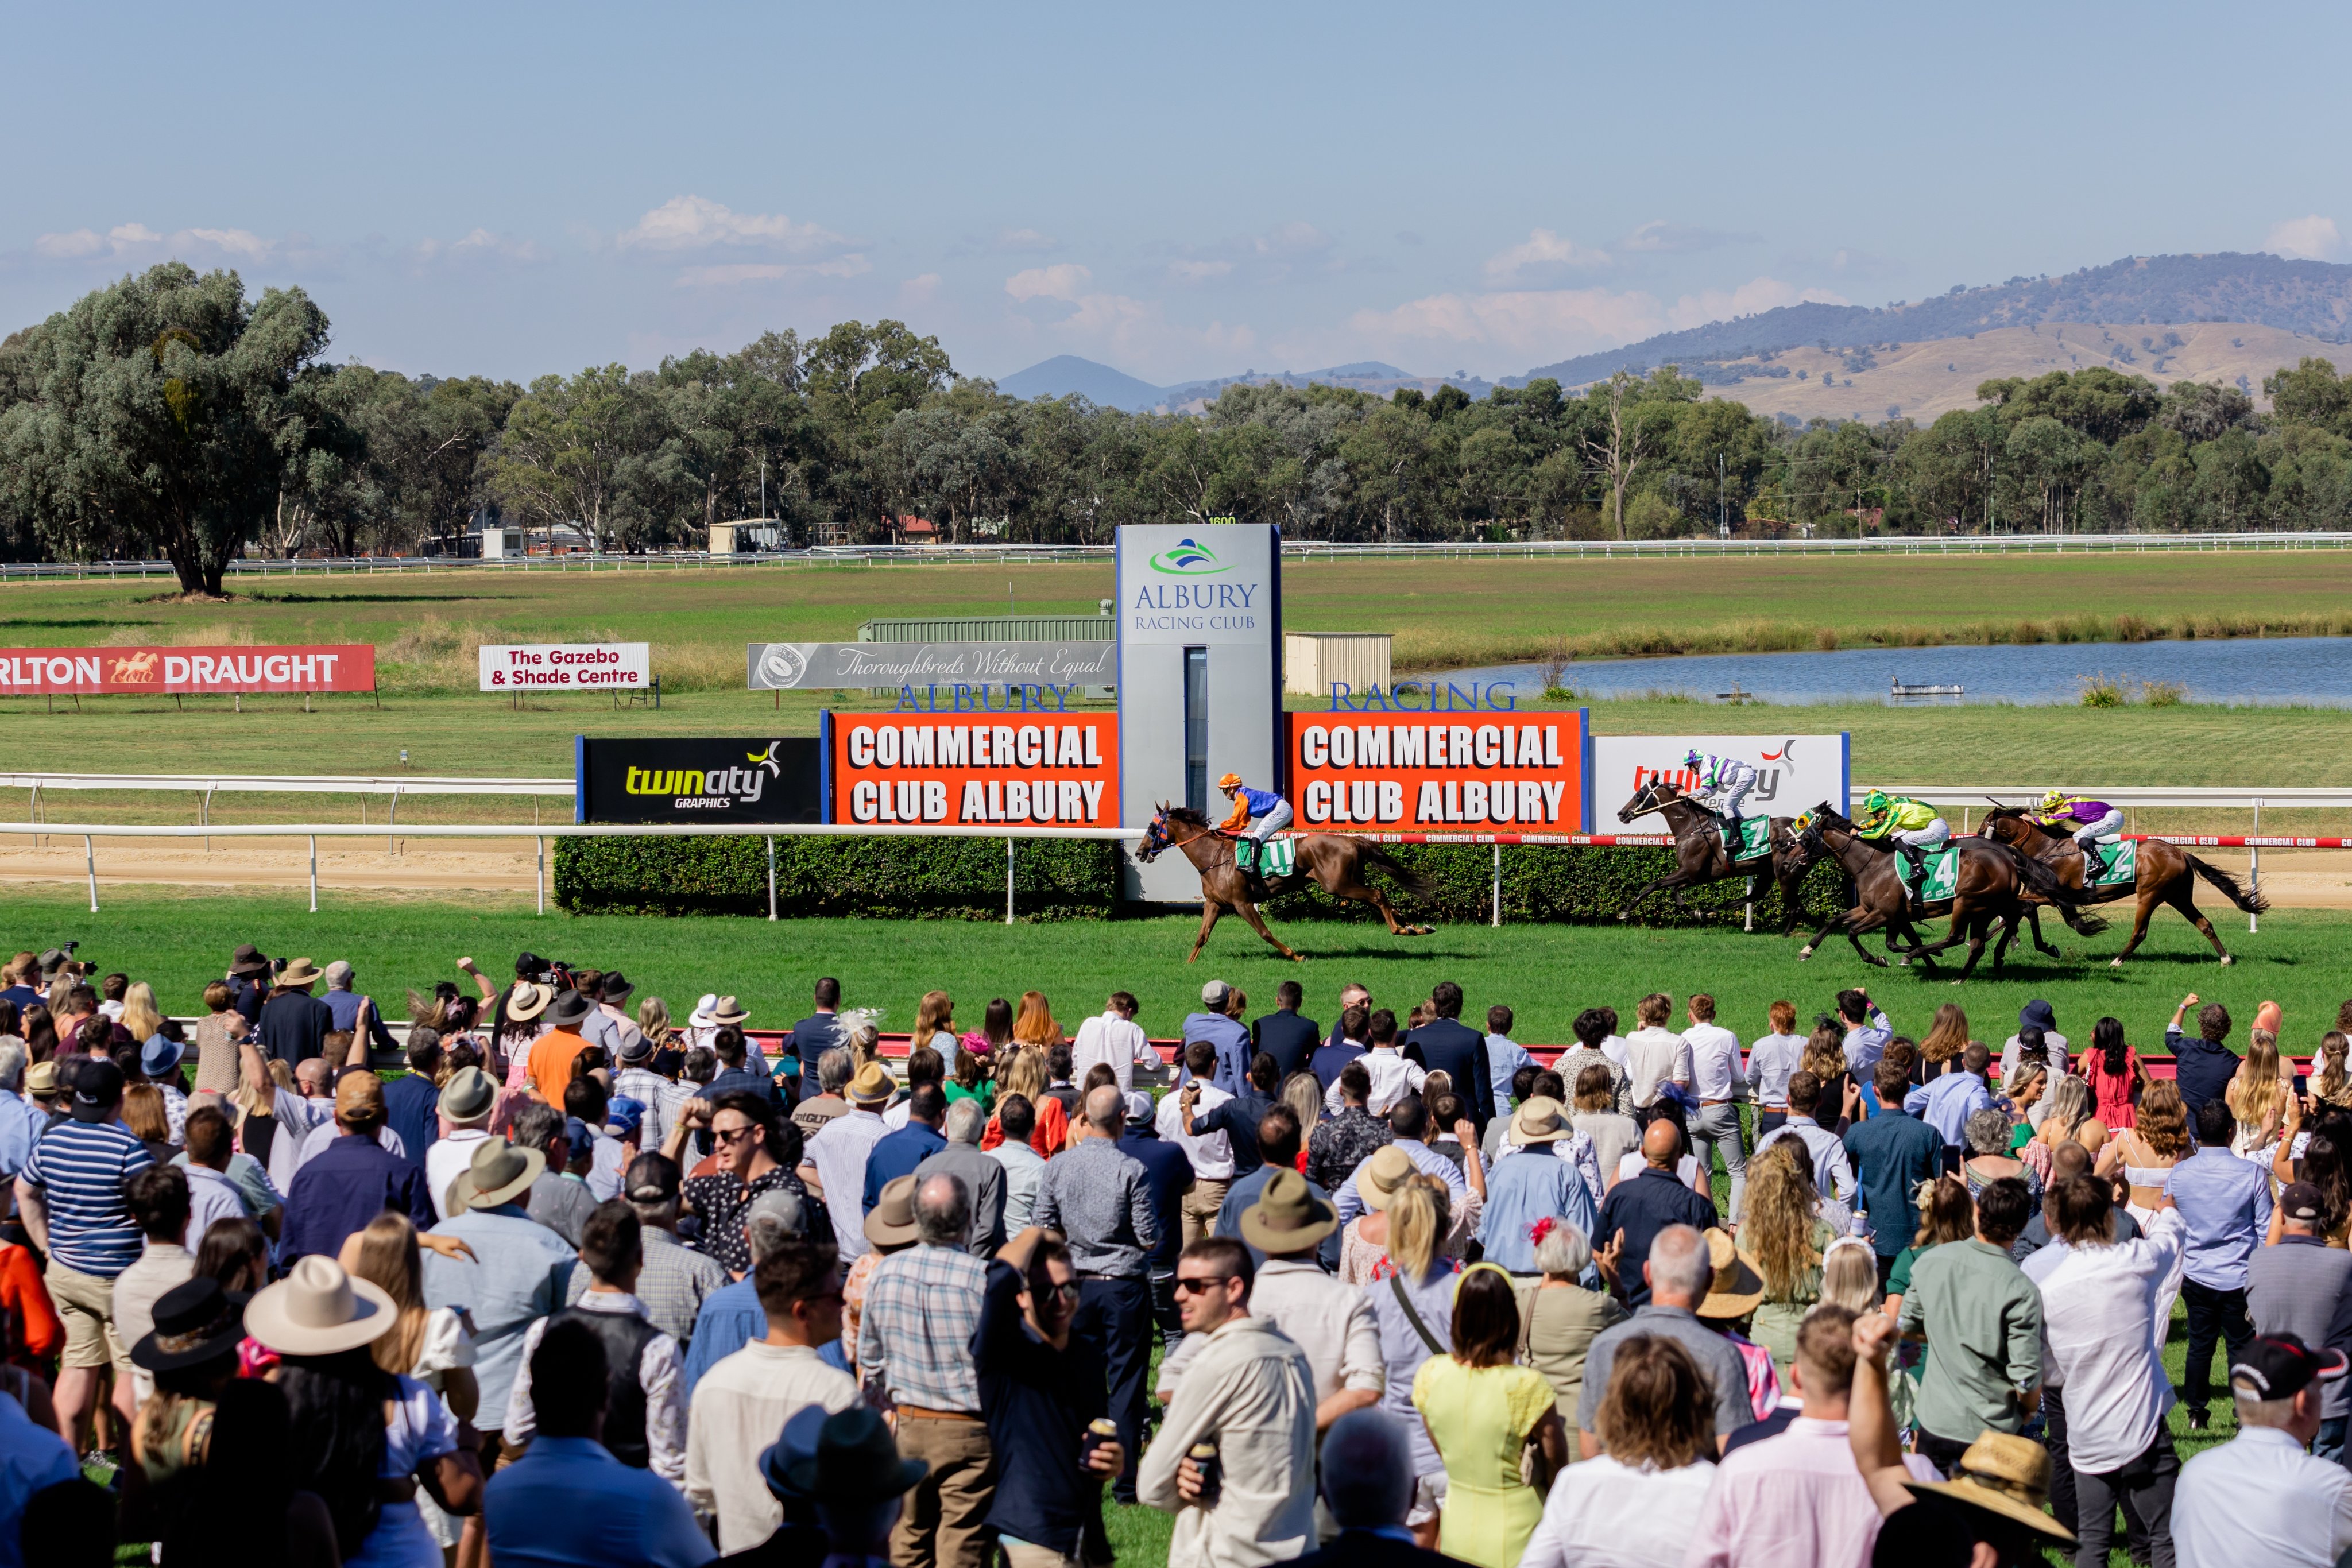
1204,1459
1097,1433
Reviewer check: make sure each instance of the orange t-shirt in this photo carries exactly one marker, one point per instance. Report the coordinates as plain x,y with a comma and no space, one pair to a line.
552,1055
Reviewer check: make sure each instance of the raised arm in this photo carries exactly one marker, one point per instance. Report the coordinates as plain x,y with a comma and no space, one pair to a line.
1870,1416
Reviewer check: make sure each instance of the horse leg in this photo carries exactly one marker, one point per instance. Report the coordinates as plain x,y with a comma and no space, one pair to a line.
1831,923
2034,915
1248,912
1976,942
1365,893
2008,935
2148,903
2186,904
1210,910
1673,879
1856,929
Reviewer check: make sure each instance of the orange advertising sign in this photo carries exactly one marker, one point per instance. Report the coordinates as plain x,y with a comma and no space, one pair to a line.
1059,770
1517,770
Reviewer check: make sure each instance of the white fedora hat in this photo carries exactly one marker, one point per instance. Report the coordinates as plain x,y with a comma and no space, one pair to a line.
318,1309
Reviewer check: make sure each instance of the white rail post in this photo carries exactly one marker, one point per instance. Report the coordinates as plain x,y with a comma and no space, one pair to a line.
314,873
1008,882
772,876
2254,866
89,857
391,818
540,873
1498,882
1750,905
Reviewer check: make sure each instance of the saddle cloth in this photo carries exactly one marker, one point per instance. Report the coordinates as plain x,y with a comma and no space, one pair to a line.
2118,863
1754,840
1943,873
1279,859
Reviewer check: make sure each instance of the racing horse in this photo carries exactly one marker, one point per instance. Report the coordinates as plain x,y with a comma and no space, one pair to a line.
2165,873
1701,857
1995,883
1335,861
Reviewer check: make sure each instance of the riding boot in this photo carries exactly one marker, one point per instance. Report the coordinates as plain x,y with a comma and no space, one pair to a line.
1917,861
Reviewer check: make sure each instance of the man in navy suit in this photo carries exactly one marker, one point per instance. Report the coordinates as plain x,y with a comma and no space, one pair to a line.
1289,1039
1447,1045
1368,1484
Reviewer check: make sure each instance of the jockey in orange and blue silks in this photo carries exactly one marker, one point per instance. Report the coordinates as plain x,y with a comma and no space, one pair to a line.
1258,814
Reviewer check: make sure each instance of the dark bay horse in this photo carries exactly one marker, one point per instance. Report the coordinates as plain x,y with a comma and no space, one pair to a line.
1994,885
2165,873
1701,858
1336,862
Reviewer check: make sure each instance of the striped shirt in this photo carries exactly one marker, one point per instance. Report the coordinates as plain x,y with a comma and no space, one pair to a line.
915,1335
79,1168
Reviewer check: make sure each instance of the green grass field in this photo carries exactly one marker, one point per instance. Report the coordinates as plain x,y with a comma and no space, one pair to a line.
1546,972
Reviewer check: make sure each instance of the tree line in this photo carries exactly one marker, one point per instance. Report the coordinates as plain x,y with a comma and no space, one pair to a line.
169,415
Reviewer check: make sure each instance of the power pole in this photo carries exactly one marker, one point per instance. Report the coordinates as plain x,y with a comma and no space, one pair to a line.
1722,513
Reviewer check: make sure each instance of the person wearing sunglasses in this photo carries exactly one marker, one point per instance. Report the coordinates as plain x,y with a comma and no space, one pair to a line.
1250,1392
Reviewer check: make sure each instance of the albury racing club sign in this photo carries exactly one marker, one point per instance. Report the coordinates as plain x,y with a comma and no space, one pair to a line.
127,672
919,769
1523,772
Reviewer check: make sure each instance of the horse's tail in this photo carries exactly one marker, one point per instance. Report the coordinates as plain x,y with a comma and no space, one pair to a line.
1412,881
2042,882
2228,887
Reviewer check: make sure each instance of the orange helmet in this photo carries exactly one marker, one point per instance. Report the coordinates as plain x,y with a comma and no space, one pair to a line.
1230,781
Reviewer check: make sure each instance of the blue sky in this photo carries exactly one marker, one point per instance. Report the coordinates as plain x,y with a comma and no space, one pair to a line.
515,189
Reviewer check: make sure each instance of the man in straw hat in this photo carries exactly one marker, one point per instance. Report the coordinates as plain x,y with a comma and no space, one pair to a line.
569,1502
834,1161
1991,1514
1333,1323
465,1107
1799,1496
1680,1276
2260,1498
1537,1180
353,1179
294,1024
741,1402
520,1270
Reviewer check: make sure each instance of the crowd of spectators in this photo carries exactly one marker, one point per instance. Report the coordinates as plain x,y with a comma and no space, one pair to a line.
556,1277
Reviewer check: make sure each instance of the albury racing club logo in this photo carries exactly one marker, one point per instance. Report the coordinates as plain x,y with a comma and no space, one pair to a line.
1189,558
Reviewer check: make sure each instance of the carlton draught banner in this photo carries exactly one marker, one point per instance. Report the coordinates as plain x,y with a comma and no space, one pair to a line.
1053,770
1525,772
127,672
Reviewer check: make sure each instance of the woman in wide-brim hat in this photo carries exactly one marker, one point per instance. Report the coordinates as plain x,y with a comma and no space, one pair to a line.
1364,1242
191,1355
357,1427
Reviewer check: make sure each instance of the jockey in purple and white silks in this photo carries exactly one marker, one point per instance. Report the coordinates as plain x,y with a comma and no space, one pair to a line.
1719,783
2081,820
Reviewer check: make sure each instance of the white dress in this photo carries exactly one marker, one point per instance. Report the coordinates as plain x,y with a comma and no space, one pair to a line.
422,1428
446,1345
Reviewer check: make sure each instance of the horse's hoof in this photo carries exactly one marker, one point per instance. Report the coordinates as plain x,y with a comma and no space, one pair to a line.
1804,954
2227,960
2114,963
1624,914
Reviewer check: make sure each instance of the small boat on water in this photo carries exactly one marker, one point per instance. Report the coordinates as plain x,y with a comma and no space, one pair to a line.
1897,690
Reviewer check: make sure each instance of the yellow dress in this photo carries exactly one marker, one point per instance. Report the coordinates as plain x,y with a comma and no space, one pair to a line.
1480,1419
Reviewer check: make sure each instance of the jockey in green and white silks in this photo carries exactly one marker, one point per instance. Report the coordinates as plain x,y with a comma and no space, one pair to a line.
1913,826
1258,815
1719,783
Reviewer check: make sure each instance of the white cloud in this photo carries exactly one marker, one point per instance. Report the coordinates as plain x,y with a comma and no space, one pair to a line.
1026,240
482,245
697,222
1198,271
138,239
2312,238
920,290
1543,249
1063,280
1659,237
1757,294
734,274
1549,323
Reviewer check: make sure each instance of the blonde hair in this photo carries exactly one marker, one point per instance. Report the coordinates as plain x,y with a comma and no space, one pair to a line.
2025,1073
140,1016
1850,1277
1947,1036
385,1253
2332,1080
1302,1093
2254,1092
1825,1055
653,1017
1025,1075
1419,1213
934,1015
1777,1228
2069,1107
2163,1119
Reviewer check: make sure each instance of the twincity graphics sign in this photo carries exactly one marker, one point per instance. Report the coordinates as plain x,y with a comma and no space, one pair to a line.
127,672
1794,773
725,780
932,768
940,677
568,666
1520,771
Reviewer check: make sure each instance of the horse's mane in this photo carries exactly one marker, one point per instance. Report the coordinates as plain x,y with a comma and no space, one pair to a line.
1189,817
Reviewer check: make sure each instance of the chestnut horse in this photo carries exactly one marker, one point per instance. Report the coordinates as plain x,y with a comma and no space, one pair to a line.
1700,857
2165,873
1337,863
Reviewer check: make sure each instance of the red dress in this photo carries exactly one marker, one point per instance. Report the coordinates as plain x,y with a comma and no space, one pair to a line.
2113,1092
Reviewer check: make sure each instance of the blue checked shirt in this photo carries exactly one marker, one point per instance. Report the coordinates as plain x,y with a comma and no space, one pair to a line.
2225,1203
922,1307
1946,1104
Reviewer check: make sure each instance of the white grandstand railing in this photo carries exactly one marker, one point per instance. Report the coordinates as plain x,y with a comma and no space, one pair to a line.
292,783
1976,796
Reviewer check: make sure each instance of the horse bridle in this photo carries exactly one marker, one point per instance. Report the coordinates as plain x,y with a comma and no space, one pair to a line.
1165,828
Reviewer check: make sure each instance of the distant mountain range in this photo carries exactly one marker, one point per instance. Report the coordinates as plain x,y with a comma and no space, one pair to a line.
2307,299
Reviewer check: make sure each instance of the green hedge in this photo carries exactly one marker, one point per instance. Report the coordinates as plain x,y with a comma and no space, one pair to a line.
1066,879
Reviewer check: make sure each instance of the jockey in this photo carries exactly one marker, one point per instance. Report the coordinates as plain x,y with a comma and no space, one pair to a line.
1913,825
1258,815
1721,783
2083,820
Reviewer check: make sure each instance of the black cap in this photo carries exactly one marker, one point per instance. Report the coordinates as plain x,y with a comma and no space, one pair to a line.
2280,1366
617,984
2299,1200
529,967
652,1178
97,1089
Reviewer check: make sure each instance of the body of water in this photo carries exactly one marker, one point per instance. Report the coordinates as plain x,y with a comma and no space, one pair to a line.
2309,670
